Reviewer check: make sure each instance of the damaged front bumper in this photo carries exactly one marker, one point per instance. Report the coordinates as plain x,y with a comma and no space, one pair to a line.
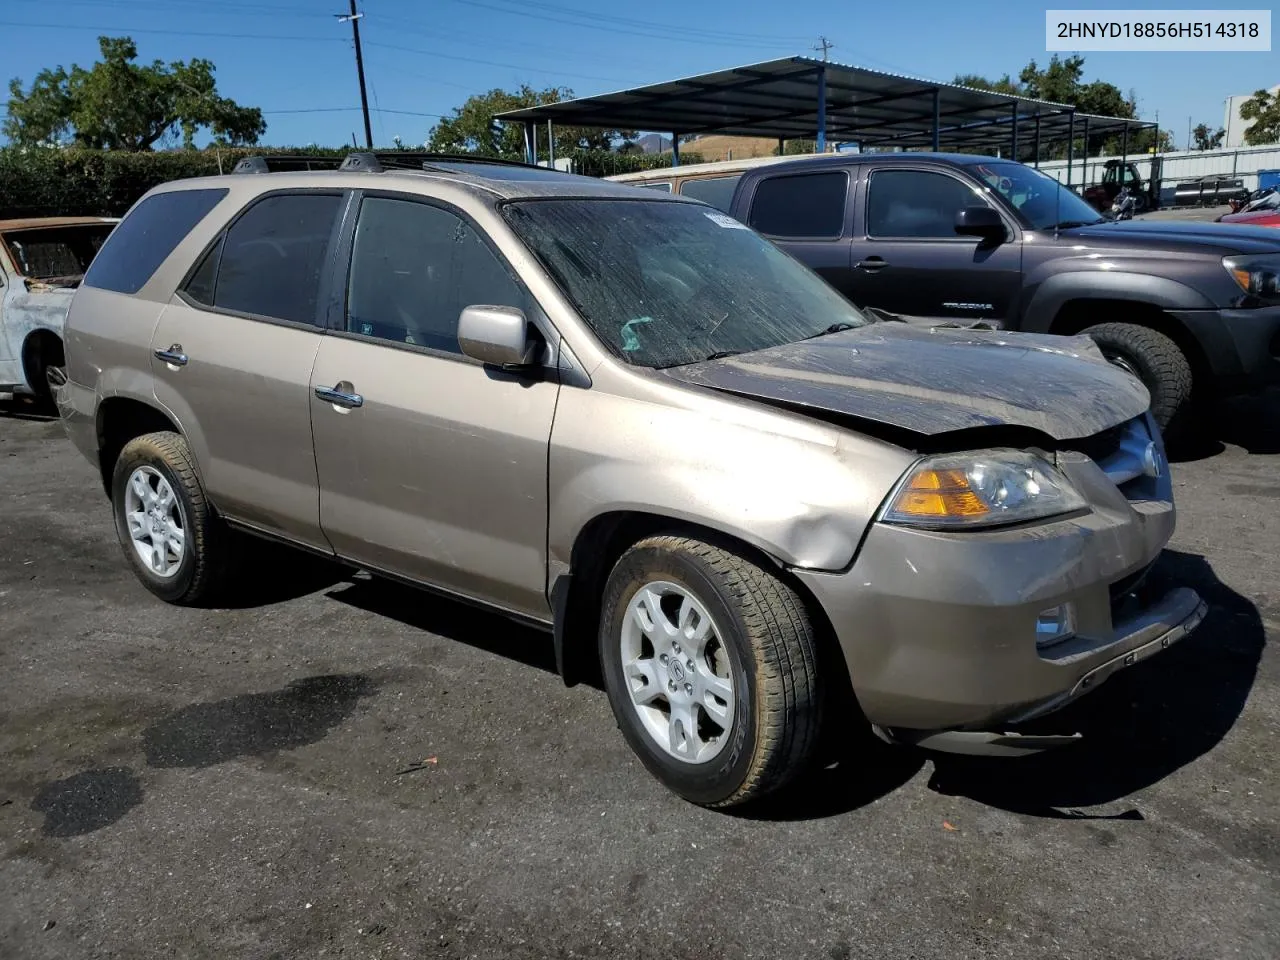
939,629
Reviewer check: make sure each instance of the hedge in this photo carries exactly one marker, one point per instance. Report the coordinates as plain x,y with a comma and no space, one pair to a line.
49,182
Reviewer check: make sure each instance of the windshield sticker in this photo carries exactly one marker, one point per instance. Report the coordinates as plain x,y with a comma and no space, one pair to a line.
630,342
725,221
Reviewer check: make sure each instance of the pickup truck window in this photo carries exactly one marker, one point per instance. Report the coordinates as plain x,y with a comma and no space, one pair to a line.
916,204
414,268
52,252
1040,201
717,191
807,206
664,283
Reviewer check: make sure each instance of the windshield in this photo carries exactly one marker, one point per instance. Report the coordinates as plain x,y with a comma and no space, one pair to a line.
46,253
1040,200
664,283
1270,202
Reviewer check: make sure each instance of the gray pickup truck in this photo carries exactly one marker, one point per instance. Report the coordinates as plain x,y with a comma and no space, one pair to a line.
1193,309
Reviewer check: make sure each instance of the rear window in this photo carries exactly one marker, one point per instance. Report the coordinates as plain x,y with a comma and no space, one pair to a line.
803,206
50,253
142,241
717,191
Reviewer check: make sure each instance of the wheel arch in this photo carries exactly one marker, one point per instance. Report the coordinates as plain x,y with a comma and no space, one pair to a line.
41,347
1077,314
576,596
121,419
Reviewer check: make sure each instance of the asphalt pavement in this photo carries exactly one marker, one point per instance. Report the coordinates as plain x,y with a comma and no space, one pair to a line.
346,767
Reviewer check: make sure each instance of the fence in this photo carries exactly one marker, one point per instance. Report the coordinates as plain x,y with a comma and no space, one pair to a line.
1242,162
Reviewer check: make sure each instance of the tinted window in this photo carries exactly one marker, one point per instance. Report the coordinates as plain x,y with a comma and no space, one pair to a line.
142,241
274,255
200,286
413,269
915,203
717,191
805,205
663,185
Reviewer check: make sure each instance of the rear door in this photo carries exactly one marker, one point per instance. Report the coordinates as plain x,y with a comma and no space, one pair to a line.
808,216
432,466
907,257
232,357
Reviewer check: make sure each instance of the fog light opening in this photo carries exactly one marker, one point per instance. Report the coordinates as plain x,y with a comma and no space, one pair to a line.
1055,625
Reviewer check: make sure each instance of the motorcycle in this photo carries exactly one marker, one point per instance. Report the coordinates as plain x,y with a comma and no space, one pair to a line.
1123,206
1249,202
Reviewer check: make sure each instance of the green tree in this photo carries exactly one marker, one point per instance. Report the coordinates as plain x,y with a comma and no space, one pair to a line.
1204,138
473,128
1004,85
1264,110
119,104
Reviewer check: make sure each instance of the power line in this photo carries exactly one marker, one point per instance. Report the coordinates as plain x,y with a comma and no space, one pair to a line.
494,63
694,33
117,30
701,38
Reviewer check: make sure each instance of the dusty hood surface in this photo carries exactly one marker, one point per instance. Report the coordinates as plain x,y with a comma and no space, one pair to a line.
934,381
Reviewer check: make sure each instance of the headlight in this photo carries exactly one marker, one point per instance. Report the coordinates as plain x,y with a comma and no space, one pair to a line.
981,489
1256,276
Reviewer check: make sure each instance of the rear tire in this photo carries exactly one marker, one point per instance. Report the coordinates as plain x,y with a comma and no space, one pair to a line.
41,351
170,535
746,655
1158,362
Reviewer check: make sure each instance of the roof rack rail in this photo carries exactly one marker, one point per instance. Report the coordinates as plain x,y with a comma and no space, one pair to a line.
278,164
365,161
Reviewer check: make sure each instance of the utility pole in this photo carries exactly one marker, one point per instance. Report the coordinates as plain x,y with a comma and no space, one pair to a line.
824,45
354,19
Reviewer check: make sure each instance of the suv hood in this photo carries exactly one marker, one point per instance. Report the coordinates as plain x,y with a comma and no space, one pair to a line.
937,380
1226,238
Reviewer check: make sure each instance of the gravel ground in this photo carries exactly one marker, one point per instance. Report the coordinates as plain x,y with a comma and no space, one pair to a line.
344,767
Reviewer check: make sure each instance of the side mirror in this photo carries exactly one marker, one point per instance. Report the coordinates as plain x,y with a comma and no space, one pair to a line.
498,336
981,222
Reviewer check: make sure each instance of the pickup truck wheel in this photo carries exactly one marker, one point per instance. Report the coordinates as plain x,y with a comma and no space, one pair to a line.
169,534
1155,360
710,663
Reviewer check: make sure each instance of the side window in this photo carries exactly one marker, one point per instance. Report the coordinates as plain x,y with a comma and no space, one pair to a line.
201,285
662,185
146,236
916,204
717,191
414,267
808,206
273,257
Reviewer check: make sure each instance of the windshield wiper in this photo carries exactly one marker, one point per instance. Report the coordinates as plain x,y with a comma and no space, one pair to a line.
834,328
721,354
1068,224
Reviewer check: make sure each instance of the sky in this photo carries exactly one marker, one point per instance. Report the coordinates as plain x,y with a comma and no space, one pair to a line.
295,60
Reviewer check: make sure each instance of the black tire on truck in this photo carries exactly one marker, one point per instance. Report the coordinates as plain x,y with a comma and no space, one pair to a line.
711,666
1159,363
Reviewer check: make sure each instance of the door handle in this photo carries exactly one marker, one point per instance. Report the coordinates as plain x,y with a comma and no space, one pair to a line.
872,264
339,398
173,355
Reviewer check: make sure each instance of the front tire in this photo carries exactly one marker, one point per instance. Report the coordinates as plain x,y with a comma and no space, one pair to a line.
710,663
1158,362
172,539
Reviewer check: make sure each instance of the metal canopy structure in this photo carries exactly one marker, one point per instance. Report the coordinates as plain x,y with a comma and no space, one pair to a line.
802,97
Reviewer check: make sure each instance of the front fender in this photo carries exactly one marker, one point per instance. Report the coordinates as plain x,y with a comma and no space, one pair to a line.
797,489
1047,298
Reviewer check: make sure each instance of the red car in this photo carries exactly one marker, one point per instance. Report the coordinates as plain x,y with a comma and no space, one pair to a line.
1263,212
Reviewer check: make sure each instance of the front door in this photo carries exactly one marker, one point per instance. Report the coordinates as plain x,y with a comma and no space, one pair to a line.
432,466
232,356
908,259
